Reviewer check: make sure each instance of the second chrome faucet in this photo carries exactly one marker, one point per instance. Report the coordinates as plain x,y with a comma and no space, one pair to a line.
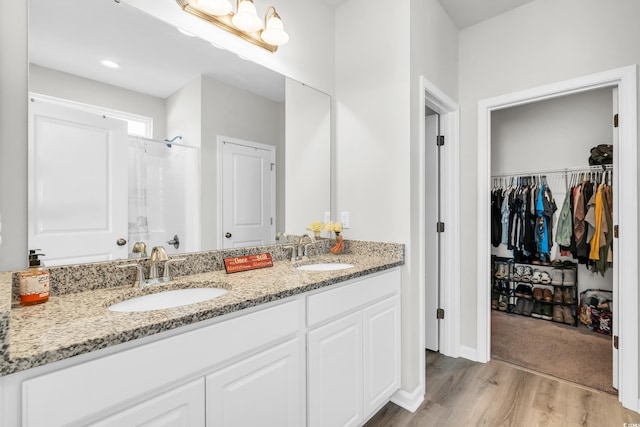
158,255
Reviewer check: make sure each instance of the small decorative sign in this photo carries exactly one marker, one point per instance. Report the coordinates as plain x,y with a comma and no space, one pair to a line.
247,262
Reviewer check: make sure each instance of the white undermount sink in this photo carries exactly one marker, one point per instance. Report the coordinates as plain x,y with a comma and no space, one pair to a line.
167,299
324,266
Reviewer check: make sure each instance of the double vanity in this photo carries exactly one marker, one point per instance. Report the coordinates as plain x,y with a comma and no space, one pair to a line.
313,342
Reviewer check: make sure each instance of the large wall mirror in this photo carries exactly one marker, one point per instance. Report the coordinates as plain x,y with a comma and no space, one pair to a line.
183,144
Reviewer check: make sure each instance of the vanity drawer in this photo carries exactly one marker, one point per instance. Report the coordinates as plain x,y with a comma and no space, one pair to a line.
327,305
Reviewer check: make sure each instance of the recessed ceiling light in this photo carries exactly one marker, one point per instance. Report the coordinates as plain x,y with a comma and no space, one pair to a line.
216,45
186,33
109,63
244,58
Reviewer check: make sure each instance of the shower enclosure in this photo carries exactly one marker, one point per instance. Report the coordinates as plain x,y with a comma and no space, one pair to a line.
163,201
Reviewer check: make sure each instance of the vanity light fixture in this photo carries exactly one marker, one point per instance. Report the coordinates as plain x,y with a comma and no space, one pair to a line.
267,33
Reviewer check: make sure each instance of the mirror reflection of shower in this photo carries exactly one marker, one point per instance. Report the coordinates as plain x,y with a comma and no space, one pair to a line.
163,193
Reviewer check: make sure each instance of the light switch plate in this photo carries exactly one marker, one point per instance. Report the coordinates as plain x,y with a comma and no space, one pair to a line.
344,219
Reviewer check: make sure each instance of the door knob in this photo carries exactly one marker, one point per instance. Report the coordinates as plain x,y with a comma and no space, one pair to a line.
227,235
121,242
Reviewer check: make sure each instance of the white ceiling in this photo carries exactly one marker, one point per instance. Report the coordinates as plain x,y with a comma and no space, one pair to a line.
465,13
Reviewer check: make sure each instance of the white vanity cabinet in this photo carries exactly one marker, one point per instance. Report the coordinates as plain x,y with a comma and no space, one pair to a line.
326,358
353,360
171,381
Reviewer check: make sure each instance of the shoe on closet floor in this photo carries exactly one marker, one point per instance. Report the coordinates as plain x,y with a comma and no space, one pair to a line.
528,307
519,308
557,294
547,312
518,272
503,303
567,316
556,277
494,301
537,294
535,277
501,271
558,313
569,278
567,294
523,291
537,310
547,295
527,275
545,279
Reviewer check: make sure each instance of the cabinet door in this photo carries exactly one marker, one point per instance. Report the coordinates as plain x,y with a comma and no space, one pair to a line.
263,390
381,330
181,407
335,373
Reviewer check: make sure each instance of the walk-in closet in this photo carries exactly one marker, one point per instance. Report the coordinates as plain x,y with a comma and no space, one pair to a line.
552,230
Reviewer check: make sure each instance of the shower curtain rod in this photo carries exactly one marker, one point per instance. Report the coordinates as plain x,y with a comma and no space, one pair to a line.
577,169
167,143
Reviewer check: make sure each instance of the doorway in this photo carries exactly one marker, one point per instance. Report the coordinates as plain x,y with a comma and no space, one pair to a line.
625,324
247,193
436,103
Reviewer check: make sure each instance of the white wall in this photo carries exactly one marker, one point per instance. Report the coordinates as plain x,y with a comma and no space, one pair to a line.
380,54
553,134
542,42
79,89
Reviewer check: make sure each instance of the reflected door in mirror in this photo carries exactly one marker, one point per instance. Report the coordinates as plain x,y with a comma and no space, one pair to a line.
248,194
76,159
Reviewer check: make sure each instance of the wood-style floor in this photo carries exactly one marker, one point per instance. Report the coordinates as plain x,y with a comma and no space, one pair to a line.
464,393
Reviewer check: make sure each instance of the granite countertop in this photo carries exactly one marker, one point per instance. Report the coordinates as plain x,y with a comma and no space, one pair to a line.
77,323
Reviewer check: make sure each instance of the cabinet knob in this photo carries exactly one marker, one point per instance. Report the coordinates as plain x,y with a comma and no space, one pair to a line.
121,242
227,235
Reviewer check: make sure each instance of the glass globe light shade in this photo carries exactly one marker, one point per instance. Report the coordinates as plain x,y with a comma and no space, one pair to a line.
274,34
246,18
215,7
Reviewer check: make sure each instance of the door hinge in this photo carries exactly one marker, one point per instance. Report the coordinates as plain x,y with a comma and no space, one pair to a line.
440,227
272,166
440,140
615,231
440,313
615,120
615,342
272,221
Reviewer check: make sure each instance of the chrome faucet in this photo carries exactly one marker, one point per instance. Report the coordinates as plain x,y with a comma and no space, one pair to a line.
158,254
303,250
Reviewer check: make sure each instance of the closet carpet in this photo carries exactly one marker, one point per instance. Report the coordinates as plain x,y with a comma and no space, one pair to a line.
573,354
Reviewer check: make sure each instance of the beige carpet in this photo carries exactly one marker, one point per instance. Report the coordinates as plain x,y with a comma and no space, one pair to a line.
573,354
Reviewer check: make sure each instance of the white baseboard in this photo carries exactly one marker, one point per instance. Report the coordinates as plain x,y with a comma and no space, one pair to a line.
409,400
469,353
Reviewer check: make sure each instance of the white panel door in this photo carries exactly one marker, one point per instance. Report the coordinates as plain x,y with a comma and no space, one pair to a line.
248,194
181,407
77,184
381,331
263,390
335,373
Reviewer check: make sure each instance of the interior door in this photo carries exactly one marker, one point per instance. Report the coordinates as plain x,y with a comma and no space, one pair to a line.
432,253
248,194
616,276
77,185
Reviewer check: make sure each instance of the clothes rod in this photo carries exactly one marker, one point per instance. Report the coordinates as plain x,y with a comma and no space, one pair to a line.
577,169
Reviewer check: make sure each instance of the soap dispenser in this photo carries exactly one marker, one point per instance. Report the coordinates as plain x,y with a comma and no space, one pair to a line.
34,281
